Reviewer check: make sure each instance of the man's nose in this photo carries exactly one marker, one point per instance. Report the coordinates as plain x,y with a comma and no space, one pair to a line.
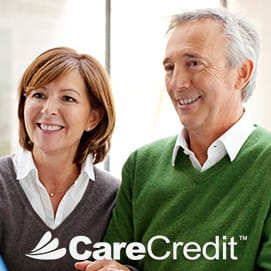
180,79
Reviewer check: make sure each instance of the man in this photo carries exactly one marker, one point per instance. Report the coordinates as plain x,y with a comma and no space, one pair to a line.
201,200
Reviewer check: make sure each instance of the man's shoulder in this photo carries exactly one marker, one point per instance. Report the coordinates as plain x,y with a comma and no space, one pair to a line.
156,150
263,130
258,143
158,145
262,135
149,156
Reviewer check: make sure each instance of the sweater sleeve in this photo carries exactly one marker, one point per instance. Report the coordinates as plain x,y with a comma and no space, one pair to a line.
121,226
264,256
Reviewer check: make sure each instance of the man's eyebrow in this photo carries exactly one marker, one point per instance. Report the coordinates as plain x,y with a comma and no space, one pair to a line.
185,55
166,60
193,55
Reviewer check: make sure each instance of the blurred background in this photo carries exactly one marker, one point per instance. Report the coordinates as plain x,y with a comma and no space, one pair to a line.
128,38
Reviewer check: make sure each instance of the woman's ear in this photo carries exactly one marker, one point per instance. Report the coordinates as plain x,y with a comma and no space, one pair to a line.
95,117
244,74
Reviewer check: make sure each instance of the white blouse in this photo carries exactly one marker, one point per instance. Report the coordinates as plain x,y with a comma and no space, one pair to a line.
38,196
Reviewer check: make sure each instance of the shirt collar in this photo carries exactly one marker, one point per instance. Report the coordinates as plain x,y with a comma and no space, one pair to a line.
24,165
233,139
87,167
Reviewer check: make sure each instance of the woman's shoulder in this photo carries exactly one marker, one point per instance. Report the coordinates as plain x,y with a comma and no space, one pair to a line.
6,163
105,179
6,158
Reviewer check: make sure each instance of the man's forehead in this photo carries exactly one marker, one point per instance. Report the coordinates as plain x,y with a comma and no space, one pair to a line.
196,35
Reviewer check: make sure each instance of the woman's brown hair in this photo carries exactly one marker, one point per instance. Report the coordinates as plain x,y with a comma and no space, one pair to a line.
48,66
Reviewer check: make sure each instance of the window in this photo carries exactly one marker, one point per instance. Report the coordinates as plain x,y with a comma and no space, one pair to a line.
137,38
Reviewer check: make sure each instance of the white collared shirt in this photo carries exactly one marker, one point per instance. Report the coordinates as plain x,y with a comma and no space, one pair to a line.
229,143
37,194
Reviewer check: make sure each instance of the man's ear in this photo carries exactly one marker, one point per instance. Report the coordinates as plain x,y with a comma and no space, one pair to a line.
244,74
95,117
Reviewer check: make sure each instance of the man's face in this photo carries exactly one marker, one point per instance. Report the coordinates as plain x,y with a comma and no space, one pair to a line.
200,83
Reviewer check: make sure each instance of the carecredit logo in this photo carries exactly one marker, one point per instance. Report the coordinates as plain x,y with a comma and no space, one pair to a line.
220,248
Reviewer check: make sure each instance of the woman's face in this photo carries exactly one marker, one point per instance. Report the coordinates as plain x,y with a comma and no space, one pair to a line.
57,114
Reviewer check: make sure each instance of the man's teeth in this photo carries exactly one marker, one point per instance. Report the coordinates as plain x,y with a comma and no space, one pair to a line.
50,127
188,101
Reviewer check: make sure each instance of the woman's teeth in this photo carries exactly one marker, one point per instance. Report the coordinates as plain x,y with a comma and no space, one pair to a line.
50,127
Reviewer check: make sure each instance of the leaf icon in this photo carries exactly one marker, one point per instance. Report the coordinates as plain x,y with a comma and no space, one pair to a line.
53,255
46,249
45,239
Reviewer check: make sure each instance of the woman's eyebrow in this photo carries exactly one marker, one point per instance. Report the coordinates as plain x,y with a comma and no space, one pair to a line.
70,90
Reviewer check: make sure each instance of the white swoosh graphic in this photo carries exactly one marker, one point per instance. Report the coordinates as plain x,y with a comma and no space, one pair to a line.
46,249
54,255
45,239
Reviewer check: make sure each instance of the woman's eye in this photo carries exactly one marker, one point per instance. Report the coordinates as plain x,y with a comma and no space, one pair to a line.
38,95
68,99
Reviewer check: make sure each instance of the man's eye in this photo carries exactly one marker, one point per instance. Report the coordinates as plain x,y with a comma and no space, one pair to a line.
168,67
195,64
68,99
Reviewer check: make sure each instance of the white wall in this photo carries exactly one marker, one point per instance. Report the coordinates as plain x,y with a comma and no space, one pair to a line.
27,28
144,112
257,12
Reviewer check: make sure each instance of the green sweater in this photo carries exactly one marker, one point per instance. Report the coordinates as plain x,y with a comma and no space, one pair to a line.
214,220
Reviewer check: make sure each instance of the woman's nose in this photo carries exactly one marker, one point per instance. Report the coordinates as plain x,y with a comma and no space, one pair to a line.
50,107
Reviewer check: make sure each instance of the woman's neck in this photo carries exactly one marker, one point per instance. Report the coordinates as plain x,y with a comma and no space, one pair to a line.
57,174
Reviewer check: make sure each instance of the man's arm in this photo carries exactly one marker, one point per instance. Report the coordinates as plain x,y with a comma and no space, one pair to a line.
264,256
121,226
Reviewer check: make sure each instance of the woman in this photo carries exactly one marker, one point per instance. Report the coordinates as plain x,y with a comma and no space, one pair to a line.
54,203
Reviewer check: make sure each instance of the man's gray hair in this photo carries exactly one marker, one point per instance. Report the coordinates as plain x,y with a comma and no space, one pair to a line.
243,40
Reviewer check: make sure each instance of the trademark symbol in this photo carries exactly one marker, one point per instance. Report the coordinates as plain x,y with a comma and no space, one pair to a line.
243,237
